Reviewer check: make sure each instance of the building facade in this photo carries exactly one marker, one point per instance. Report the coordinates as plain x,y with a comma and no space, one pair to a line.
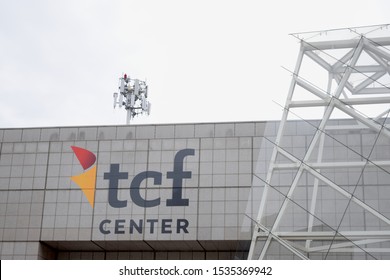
183,191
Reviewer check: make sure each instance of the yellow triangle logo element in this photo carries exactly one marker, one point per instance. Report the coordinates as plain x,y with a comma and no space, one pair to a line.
87,182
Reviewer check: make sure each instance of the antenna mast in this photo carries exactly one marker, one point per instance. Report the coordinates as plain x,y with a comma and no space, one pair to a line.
133,95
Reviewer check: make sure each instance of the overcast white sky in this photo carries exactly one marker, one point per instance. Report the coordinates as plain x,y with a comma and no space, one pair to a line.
204,61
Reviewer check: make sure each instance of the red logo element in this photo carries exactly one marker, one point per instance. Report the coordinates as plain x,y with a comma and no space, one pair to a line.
85,157
87,180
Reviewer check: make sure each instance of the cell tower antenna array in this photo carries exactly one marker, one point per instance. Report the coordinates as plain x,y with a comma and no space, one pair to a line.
133,95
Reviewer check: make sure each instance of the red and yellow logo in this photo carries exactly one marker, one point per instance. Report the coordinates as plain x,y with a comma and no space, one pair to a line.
87,180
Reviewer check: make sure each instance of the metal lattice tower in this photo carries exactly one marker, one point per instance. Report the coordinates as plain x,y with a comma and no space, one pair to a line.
326,209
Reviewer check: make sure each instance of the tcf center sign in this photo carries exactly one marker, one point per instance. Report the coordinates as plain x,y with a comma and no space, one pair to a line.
130,226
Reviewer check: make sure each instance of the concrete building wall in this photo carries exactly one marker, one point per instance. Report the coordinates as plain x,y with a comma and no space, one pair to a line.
200,205
44,214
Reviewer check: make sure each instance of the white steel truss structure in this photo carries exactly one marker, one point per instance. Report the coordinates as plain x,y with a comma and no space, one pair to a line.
332,204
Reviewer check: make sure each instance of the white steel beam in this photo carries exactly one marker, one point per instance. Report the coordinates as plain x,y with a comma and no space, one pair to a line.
361,69
374,49
319,60
273,157
347,85
369,81
342,44
311,88
346,244
349,101
360,250
313,203
377,90
285,243
344,61
383,63
381,115
331,165
352,127
368,122
328,235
